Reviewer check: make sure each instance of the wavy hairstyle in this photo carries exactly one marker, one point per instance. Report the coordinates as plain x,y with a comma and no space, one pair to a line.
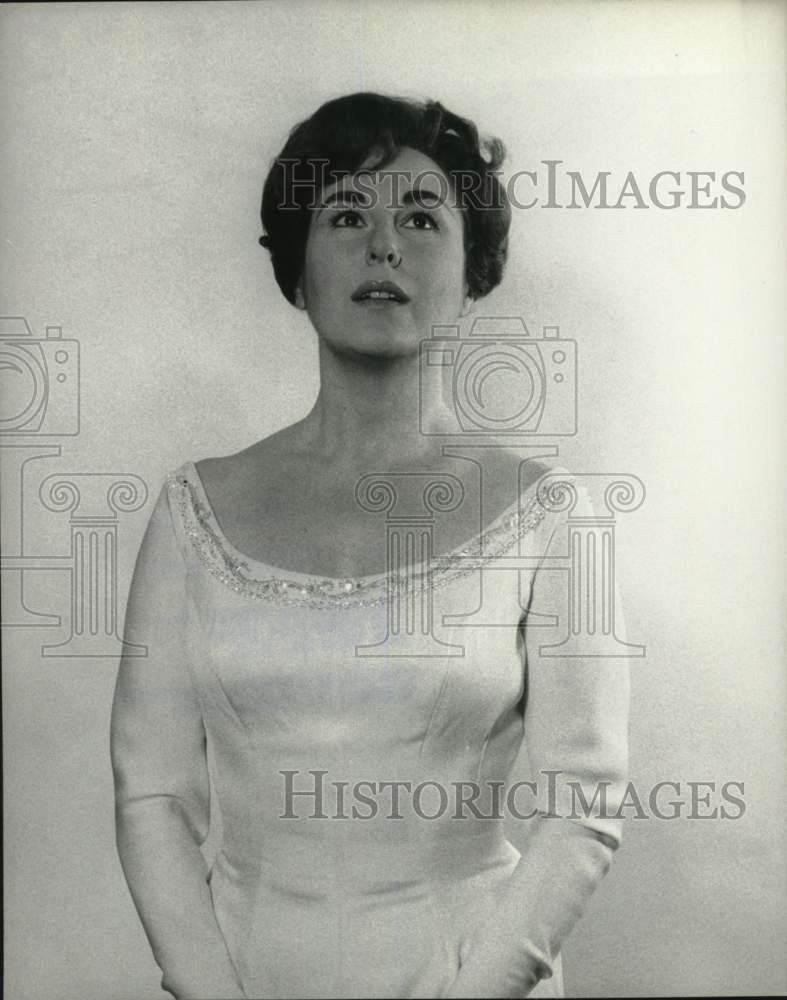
345,133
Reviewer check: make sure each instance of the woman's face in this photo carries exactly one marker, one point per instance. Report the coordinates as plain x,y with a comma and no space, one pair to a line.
369,231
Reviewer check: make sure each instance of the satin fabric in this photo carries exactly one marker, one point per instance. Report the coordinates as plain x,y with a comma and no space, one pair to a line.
311,899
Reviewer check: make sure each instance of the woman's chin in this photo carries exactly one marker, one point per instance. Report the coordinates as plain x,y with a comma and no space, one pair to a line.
383,344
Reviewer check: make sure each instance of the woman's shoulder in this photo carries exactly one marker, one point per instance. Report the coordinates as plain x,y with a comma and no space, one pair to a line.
251,493
546,490
509,470
227,476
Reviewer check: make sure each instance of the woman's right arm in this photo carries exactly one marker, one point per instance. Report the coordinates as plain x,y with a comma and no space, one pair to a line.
159,763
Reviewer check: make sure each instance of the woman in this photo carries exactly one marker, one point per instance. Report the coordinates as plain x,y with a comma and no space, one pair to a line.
310,683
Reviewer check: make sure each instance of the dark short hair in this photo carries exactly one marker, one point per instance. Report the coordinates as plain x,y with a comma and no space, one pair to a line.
342,134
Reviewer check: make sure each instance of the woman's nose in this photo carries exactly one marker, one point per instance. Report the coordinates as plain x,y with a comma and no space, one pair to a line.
382,248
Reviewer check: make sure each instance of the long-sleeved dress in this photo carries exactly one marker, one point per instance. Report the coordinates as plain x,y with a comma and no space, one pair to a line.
346,726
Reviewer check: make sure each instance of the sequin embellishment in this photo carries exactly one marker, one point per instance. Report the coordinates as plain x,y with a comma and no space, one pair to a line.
201,527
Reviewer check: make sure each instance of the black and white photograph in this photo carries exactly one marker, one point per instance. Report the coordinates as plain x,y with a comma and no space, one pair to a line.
392,459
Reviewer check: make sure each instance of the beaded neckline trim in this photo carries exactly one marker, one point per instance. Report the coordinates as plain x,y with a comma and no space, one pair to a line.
235,572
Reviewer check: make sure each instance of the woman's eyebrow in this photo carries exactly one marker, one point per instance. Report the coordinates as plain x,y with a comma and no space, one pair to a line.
425,198
343,196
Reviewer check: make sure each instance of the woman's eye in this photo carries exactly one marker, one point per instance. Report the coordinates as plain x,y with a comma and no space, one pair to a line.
346,220
421,220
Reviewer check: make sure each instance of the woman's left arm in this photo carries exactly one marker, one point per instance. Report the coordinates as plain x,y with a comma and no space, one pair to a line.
576,734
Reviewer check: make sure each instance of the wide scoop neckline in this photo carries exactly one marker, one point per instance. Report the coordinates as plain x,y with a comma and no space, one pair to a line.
519,506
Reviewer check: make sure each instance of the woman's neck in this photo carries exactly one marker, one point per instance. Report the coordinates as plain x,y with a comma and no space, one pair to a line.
373,413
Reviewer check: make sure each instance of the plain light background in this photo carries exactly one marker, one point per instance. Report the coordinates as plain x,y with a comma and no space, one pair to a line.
136,138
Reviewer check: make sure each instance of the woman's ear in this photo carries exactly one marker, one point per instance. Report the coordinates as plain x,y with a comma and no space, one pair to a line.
467,305
300,301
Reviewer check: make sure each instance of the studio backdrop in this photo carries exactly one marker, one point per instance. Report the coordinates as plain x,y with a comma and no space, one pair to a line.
142,327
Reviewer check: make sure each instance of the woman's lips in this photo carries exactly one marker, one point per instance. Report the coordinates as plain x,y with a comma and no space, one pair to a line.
378,300
380,291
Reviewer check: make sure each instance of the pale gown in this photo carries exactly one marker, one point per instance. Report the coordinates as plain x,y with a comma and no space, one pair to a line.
372,906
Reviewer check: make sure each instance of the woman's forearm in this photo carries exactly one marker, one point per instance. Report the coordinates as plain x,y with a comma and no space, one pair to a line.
167,876
533,911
